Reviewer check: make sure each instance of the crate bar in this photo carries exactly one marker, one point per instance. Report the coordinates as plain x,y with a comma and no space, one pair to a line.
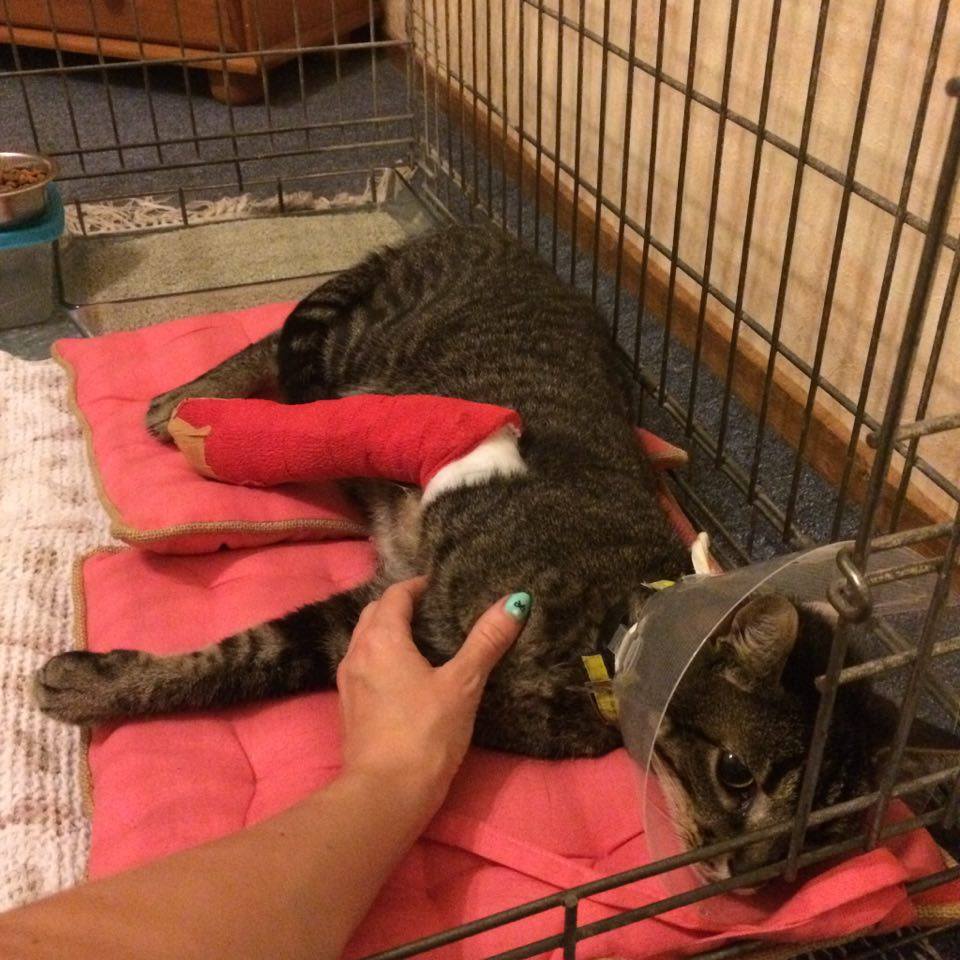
422,140
504,97
301,74
919,569
372,46
646,232
204,187
883,950
745,246
712,216
740,948
933,880
138,33
921,428
702,438
538,162
570,906
757,948
911,697
225,76
812,83
240,134
463,108
853,156
577,138
892,414
934,531
521,87
178,23
900,216
61,71
582,891
436,80
601,142
557,145
476,95
183,207
181,191
246,284
753,878
106,80
913,327
678,207
229,161
83,226
624,176
448,122
831,173
488,49
337,69
782,350
213,56
932,365
940,689
690,496
18,69
953,806
889,663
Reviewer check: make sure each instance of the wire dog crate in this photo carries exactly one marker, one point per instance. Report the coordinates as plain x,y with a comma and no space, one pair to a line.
778,264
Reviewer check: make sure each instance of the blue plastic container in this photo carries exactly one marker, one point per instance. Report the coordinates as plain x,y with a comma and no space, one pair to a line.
28,291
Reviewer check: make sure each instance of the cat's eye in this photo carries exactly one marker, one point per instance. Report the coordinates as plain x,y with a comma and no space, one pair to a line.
733,773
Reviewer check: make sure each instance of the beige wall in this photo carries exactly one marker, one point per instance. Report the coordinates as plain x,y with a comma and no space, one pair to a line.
902,51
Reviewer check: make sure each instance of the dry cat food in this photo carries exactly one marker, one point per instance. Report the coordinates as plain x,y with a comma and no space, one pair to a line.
13,178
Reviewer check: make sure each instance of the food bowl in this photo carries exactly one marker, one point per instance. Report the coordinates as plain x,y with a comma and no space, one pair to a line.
23,186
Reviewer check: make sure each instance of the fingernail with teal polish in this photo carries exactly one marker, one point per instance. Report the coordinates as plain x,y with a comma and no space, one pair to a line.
518,605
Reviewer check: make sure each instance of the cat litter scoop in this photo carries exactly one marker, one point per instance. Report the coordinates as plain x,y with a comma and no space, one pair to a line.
654,654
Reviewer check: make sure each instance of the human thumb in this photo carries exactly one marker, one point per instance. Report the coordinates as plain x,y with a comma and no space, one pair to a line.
492,635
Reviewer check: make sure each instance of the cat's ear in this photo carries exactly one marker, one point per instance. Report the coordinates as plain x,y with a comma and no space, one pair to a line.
760,637
929,748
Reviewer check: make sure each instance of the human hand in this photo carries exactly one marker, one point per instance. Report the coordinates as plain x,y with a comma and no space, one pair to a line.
404,719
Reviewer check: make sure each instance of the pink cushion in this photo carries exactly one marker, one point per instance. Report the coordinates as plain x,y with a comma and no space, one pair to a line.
154,498
512,829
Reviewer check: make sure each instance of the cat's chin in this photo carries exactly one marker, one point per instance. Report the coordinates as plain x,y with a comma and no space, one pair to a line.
713,871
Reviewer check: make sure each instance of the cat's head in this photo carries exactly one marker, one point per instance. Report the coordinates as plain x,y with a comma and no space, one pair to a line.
730,754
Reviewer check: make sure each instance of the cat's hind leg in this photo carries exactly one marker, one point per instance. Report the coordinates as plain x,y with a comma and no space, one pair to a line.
291,654
252,370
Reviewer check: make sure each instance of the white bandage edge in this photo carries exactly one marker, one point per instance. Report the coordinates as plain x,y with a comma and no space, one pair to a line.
497,456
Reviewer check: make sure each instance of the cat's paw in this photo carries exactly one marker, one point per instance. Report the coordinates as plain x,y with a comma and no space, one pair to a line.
80,687
161,410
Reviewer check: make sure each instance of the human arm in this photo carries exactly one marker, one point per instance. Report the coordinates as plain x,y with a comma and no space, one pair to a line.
297,885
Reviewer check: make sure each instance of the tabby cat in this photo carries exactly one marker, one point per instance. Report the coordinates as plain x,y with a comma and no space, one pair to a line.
463,312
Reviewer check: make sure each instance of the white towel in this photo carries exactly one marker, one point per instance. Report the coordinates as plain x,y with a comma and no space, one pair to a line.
49,516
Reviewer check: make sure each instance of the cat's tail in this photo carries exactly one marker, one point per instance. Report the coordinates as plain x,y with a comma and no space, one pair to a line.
292,654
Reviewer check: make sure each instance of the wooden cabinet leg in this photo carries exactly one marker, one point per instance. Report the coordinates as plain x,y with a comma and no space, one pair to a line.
238,89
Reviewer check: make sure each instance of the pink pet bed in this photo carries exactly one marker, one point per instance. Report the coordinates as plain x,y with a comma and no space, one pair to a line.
512,830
